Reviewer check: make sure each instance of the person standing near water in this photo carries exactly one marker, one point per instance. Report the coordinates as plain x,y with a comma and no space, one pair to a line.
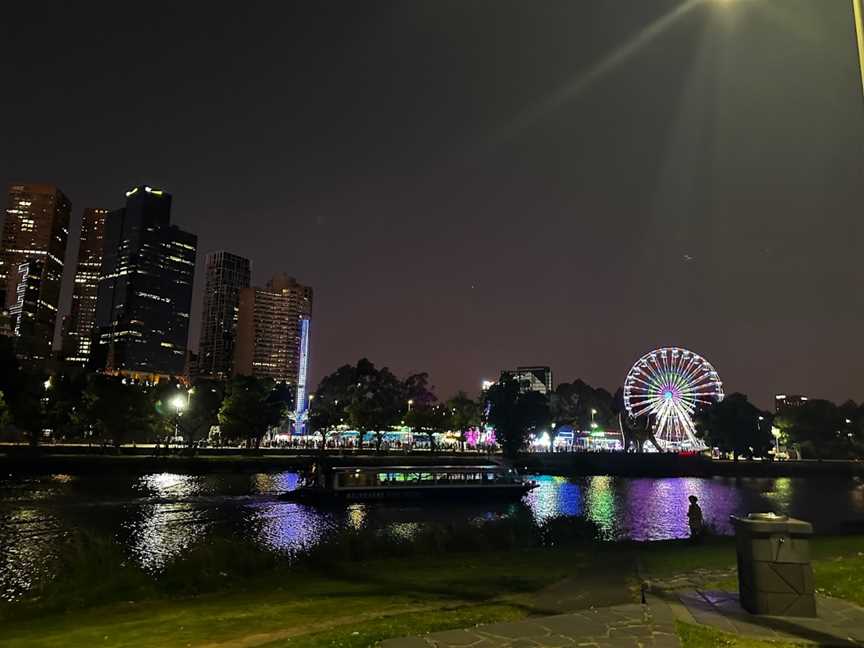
694,518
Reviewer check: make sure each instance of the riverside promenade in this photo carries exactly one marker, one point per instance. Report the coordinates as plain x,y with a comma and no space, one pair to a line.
84,459
678,611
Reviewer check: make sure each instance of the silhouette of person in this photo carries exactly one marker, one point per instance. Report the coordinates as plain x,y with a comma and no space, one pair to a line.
694,518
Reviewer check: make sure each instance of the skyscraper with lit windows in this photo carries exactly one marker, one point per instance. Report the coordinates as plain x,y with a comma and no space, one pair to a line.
32,252
78,325
226,275
145,289
270,330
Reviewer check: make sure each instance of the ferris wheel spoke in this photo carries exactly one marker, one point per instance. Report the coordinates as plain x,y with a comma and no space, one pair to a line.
648,408
643,397
647,384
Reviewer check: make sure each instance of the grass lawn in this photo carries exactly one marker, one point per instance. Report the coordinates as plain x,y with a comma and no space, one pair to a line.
357,604
376,599
693,636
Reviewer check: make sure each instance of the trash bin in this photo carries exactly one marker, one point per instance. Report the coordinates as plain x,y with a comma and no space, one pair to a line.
774,572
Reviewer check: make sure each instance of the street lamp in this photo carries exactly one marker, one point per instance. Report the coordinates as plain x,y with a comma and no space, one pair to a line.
179,403
410,403
858,18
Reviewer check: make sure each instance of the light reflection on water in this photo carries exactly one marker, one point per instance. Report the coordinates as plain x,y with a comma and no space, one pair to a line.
289,527
161,532
28,542
157,518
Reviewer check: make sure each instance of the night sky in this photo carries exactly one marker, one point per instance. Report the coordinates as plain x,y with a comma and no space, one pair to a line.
472,185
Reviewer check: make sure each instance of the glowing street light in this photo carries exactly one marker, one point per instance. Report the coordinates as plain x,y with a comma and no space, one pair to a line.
775,432
179,403
858,18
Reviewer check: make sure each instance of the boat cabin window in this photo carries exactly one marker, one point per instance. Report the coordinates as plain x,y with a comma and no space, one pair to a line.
412,478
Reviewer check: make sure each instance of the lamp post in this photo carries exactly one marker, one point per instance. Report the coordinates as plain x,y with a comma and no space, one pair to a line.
179,404
46,386
858,13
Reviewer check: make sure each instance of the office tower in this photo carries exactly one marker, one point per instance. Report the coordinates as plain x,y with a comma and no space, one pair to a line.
78,325
145,290
32,253
537,379
270,328
784,403
226,275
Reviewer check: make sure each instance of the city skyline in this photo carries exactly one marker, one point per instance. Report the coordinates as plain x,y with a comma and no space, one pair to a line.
436,243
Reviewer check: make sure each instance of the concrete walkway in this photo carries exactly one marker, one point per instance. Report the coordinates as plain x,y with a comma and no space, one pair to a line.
839,623
651,624
624,626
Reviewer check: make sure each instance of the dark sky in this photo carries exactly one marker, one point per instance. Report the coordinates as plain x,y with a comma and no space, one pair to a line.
472,185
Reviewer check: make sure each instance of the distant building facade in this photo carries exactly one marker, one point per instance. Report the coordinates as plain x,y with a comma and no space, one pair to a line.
78,325
537,379
226,275
783,403
270,329
32,253
145,290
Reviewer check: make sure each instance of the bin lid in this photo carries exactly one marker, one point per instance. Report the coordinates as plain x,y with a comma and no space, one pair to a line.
771,523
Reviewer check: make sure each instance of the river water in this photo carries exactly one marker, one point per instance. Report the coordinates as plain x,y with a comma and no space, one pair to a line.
155,518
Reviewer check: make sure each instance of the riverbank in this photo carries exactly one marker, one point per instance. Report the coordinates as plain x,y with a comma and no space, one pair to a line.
359,603
79,459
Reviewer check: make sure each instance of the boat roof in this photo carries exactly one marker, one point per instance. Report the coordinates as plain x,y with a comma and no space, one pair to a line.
462,468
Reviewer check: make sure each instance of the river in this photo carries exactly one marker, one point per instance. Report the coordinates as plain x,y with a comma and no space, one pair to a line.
155,518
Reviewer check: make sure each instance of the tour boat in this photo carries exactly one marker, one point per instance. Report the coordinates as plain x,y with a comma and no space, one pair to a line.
373,483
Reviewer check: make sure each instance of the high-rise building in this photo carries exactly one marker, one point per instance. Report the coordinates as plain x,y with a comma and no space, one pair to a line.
78,325
783,403
537,379
226,275
32,253
270,328
145,289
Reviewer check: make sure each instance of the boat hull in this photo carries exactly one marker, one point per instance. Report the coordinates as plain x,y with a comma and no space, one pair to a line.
388,493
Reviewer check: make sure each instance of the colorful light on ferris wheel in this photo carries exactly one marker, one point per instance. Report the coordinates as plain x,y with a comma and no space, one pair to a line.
669,385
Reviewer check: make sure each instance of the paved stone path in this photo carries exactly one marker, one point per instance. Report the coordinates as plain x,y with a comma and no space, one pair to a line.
620,626
839,623
651,624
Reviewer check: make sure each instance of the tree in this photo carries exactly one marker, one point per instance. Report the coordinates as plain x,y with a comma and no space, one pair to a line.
327,410
466,413
819,428
735,425
61,401
429,419
5,417
202,412
374,401
421,402
117,411
248,410
564,409
23,391
514,414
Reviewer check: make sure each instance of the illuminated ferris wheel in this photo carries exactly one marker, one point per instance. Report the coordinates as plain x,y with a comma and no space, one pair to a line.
668,385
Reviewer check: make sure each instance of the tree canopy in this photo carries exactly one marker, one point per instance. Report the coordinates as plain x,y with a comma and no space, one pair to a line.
516,414
736,425
249,410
